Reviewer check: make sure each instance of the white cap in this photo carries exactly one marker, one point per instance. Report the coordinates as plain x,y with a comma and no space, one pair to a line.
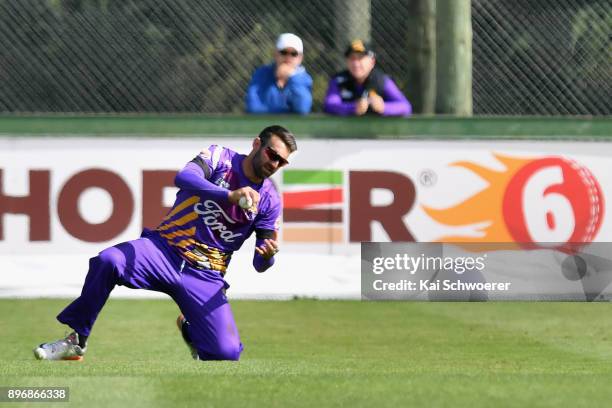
288,40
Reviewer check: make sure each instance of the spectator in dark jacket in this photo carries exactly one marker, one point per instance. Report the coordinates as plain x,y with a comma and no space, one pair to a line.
362,88
283,86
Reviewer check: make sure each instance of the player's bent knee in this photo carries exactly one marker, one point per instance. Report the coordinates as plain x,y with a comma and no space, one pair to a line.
230,352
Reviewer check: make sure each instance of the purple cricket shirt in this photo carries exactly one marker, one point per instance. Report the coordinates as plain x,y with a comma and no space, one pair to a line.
203,226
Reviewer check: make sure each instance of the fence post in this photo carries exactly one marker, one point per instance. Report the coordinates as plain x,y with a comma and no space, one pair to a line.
454,65
421,60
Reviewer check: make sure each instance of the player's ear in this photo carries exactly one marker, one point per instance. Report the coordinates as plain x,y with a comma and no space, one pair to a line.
256,143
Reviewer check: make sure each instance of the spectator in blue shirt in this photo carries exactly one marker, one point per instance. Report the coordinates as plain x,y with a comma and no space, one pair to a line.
283,86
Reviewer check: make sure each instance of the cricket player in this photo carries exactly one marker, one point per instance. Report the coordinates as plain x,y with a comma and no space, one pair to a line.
223,198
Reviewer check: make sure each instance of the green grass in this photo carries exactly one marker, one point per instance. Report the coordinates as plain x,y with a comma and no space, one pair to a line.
327,353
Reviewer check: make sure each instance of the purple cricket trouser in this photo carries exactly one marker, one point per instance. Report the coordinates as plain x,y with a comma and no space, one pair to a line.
149,263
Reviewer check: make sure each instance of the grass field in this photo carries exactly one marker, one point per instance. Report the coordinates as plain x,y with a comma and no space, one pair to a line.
327,353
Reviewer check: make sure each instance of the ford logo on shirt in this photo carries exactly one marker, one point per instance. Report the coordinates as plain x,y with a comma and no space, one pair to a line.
212,216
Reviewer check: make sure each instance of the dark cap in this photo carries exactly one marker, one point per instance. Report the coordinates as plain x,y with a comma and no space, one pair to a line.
359,47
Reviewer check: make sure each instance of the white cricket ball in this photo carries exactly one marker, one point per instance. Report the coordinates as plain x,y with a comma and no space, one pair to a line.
245,202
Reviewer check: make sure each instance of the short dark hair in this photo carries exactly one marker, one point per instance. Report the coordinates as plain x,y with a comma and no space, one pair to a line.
284,135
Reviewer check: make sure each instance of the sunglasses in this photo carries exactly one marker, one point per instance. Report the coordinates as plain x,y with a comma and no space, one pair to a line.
287,52
272,155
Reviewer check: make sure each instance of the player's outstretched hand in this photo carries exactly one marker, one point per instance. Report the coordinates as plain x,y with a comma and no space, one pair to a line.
268,249
247,192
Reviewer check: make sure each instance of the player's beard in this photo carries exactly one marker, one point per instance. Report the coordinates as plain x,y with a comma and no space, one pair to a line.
259,168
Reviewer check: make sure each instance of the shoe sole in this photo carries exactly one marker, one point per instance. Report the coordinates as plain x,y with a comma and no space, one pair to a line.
73,358
179,323
40,354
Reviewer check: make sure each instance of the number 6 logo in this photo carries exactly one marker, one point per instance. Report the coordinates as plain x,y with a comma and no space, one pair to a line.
553,200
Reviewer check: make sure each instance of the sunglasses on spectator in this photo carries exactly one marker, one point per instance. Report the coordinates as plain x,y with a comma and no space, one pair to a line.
287,52
273,156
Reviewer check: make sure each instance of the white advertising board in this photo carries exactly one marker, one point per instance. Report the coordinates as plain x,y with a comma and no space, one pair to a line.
62,200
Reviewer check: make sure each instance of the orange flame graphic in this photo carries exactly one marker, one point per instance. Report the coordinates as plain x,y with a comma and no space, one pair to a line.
485,207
